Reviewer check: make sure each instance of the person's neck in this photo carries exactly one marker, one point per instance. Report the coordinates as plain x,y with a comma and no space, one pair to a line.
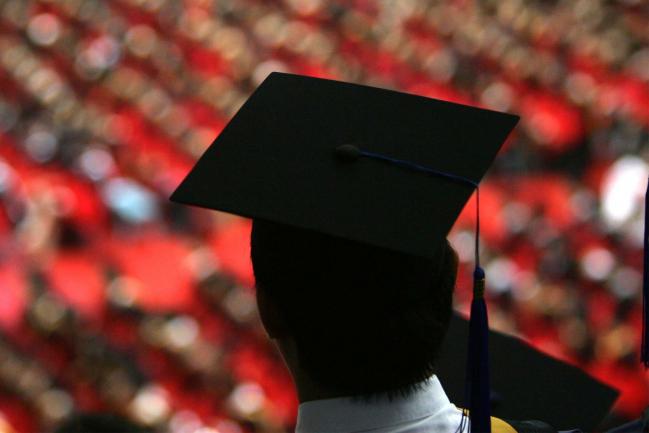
307,389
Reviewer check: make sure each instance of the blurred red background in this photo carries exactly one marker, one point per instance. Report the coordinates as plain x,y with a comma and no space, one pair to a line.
112,298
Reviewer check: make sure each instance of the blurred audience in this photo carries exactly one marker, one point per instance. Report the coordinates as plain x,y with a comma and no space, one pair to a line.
115,300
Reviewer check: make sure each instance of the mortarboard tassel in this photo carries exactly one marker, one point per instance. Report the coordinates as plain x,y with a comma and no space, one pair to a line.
478,351
644,351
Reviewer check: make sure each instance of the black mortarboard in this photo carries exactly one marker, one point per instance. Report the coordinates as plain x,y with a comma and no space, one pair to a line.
389,169
276,160
527,384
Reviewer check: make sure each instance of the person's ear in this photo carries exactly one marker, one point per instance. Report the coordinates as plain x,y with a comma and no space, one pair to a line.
271,317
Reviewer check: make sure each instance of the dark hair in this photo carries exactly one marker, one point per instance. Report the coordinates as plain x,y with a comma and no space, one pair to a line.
366,320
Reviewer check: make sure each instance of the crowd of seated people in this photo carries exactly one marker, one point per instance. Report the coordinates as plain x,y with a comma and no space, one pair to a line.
114,300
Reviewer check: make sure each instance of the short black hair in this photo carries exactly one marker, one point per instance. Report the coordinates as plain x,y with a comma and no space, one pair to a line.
366,320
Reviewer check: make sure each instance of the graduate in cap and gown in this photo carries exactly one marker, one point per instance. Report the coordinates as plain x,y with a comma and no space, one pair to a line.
352,191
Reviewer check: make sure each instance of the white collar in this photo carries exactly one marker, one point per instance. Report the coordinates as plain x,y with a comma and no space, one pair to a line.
345,414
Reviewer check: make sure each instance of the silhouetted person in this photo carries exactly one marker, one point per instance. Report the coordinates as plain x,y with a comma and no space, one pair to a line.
360,328
352,191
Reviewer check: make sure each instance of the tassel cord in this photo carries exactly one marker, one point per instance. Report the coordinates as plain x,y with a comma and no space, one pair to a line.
644,350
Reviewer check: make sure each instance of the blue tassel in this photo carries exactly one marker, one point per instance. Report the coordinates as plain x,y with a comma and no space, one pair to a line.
644,352
478,358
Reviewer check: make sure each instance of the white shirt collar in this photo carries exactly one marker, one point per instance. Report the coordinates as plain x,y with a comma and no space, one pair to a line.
344,414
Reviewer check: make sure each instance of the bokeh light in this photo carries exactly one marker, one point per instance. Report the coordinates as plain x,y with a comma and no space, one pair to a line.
114,299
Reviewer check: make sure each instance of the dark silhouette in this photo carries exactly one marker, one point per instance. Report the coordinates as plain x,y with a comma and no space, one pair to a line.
349,318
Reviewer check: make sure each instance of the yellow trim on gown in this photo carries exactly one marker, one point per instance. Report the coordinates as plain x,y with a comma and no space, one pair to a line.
497,424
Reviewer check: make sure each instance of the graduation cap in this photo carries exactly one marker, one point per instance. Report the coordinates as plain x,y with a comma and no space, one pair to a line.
389,169
524,384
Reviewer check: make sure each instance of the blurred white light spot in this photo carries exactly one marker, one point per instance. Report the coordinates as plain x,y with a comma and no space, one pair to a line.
227,426
240,304
7,176
185,421
44,29
4,424
41,145
581,87
101,54
623,190
501,273
464,244
181,331
498,96
517,215
123,291
142,40
207,430
48,312
150,405
56,404
105,52
635,232
247,398
305,7
156,104
597,264
97,164
264,68
202,262
625,283
46,85
526,287
130,200
442,65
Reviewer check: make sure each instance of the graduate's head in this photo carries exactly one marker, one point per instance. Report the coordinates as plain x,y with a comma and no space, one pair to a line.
363,320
